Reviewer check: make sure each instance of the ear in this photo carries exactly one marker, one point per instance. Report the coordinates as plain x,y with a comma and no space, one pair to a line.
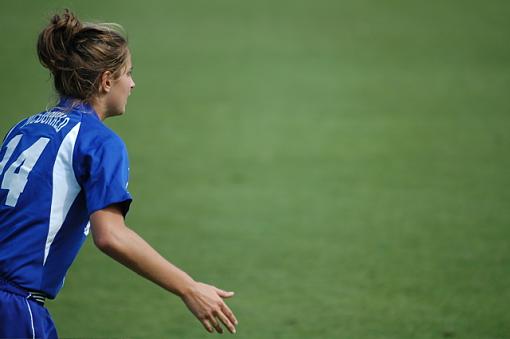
106,81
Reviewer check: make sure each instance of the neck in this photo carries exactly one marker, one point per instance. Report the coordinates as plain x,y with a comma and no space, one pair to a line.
100,109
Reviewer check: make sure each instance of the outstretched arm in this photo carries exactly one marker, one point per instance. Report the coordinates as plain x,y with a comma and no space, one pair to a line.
113,237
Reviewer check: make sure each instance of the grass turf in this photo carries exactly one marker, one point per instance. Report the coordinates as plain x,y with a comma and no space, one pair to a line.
342,166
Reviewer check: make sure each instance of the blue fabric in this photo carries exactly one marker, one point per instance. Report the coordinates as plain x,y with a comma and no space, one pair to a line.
21,317
98,169
101,165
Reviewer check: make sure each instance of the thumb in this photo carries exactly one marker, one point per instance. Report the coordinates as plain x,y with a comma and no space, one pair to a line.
224,294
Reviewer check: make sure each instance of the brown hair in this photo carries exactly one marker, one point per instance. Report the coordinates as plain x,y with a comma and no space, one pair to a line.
78,53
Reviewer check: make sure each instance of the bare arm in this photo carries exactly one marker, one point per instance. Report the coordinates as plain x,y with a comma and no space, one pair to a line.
113,237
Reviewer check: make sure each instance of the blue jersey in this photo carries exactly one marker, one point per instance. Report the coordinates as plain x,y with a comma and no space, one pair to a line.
56,168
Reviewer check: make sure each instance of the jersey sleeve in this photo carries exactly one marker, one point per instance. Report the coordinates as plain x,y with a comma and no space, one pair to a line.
105,174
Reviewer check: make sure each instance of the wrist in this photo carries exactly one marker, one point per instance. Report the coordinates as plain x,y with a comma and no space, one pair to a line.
186,287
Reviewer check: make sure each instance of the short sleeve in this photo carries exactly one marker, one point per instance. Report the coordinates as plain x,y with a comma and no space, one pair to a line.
105,175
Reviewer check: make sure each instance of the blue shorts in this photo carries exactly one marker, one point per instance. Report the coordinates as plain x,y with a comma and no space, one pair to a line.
21,317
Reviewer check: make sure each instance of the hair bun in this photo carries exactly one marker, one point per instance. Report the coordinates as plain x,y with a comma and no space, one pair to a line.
77,54
54,45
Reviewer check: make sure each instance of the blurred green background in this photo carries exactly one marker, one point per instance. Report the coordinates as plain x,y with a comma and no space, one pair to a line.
342,165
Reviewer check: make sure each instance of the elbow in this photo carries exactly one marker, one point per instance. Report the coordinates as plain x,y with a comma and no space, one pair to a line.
108,230
106,242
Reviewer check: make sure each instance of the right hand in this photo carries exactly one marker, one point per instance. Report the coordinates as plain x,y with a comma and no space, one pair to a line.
206,303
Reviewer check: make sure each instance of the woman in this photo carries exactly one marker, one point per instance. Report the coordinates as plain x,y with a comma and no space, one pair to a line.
63,173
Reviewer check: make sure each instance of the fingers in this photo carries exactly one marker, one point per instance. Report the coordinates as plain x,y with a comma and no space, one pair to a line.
206,302
228,324
212,324
207,325
224,294
230,315
226,317
216,324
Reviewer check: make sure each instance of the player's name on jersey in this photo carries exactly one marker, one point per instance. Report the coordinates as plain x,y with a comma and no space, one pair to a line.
55,119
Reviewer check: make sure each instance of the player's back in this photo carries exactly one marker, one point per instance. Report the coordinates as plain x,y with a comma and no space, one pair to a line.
43,209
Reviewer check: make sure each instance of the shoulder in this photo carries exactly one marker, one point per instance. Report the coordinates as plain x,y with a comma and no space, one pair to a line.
16,127
98,149
95,134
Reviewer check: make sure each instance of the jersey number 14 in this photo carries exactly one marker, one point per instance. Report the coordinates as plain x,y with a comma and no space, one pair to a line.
16,175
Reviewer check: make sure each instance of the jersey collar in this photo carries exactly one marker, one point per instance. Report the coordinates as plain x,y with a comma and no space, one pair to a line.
68,104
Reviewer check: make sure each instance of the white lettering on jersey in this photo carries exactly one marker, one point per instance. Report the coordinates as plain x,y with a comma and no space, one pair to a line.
55,119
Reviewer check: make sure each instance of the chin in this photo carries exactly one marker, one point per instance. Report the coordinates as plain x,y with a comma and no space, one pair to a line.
121,110
115,114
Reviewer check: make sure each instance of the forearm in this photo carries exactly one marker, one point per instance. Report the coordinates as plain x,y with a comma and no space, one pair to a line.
128,248
114,238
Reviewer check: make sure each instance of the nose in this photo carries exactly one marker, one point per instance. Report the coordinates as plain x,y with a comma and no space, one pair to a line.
132,84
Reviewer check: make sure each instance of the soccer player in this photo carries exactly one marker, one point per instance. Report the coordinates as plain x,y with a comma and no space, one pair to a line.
63,173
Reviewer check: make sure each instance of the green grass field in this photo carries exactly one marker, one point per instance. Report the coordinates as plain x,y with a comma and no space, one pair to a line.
342,165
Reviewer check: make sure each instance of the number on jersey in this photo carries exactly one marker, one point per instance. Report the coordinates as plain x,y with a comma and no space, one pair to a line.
16,175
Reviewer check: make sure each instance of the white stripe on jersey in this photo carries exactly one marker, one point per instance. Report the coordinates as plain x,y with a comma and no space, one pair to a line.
65,187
